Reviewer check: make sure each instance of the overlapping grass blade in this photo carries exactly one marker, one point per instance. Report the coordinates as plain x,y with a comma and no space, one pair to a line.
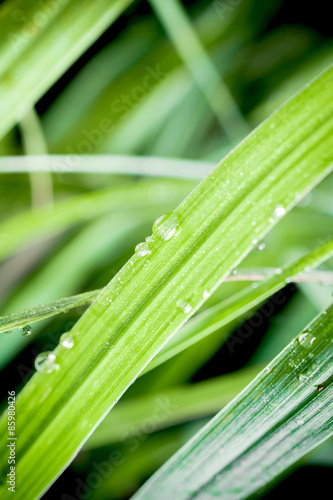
282,415
205,323
192,250
218,316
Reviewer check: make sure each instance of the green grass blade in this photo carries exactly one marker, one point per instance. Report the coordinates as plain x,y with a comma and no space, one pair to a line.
39,45
292,415
108,164
34,143
153,295
183,35
25,227
33,314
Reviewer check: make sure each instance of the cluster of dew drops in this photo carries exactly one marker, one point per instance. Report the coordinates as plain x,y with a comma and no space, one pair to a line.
45,362
164,228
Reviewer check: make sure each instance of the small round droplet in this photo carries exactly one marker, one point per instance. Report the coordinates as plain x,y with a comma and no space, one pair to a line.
261,246
300,421
142,249
278,270
66,340
184,305
303,378
166,227
267,369
45,362
306,339
206,294
26,330
279,211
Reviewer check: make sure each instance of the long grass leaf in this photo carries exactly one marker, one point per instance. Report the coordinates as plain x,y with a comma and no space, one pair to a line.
191,250
282,415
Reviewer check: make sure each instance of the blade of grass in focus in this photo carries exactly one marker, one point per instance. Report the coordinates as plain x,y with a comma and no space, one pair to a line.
282,415
191,251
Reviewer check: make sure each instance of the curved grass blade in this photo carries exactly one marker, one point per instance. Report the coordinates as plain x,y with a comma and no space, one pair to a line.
282,415
193,249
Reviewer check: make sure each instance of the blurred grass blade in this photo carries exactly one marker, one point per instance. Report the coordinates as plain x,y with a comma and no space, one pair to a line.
192,250
292,415
34,143
148,413
108,164
183,35
39,43
25,227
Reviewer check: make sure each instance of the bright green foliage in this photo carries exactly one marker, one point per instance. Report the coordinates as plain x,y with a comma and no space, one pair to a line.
192,250
284,413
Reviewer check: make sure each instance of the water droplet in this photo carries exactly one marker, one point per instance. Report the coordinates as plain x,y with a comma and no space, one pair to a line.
254,241
7,332
278,270
306,339
261,246
26,330
234,272
206,294
66,340
279,211
149,239
287,279
267,369
254,284
142,249
303,378
184,305
45,362
300,421
165,227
